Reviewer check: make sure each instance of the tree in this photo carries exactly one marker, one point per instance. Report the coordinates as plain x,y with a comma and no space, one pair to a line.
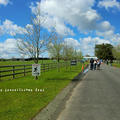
55,48
87,55
35,38
79,55
104,51
116,52
68,52
75,55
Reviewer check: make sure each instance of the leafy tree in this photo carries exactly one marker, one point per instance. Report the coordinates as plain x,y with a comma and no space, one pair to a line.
79,55
68,52
55,48
34,40
104,51
116,52
87,55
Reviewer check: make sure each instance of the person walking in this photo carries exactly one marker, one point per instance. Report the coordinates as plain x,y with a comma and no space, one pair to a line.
111,61
98,64
95,64
91,63
107,62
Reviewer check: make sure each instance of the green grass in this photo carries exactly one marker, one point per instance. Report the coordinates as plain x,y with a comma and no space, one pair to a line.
24,62
116,65
24,105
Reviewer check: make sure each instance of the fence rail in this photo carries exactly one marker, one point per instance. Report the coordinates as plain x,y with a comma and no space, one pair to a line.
12,71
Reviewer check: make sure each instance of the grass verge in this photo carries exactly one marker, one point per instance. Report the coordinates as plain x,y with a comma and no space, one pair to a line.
116,65
10,62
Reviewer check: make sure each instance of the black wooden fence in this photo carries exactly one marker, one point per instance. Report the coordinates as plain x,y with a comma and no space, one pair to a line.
14,71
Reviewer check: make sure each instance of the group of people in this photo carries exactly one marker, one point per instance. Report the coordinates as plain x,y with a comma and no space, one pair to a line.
109,62
95,64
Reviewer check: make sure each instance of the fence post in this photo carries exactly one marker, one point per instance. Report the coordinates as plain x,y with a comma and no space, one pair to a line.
48,66
13,72
44,67
53,65
66,65
24,70
0,75
58,66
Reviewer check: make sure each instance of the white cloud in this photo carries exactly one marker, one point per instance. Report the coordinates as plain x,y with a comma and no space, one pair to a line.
106,30
8,49
8,27
109,4
87,44
77,13
111,36
105,26
100,40
60,27
106,34
92,41
72,42
4,2
49,21
115,39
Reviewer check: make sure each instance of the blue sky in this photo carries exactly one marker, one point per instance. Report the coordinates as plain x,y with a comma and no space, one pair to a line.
82,22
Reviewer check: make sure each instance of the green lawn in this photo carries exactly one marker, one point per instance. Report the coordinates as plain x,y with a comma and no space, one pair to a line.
116,65
24,105
24,62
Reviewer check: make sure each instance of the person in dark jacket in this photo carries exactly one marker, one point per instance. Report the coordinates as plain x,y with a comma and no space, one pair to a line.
107,62
91,63
95,64
111,61
98,64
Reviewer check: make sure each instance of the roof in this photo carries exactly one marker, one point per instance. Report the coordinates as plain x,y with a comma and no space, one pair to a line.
94,57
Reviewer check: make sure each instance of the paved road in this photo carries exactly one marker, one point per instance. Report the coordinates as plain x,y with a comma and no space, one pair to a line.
96,97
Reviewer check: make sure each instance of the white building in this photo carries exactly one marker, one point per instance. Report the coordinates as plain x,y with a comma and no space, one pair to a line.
87,58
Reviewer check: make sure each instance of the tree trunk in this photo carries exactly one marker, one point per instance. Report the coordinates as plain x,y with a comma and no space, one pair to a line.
58,65
36,62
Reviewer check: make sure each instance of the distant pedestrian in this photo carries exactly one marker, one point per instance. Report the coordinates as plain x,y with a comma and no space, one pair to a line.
91,63
98,64
95,64
101,61
107,61
111,62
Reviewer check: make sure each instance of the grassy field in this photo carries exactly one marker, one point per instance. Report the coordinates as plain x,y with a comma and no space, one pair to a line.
24,62
116,65
23,105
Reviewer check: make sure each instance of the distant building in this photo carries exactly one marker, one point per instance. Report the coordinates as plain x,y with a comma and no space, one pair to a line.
87,58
